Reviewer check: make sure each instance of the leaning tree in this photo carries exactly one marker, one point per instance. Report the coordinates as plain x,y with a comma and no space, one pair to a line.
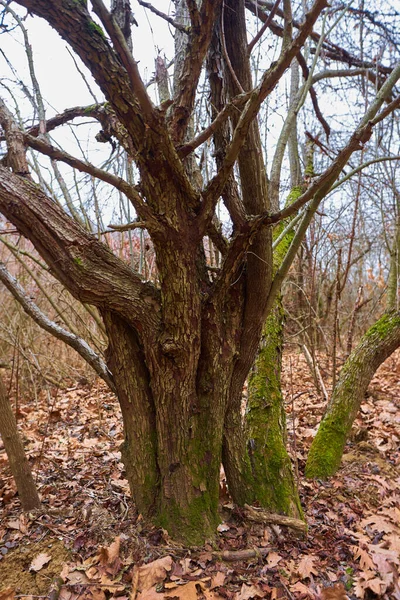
180,348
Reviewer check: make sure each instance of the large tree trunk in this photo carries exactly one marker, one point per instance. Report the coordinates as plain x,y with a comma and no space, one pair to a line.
380,341
19,464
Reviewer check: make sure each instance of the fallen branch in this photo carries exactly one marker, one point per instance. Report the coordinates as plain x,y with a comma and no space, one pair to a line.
258,515
234,555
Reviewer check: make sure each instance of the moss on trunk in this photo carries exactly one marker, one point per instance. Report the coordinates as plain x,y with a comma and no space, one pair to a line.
380,341
266,422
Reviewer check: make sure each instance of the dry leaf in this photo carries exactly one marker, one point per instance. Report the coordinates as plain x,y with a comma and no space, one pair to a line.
150,594
40,561
302,589
273,558
384,558
210,595
217,580
154,572
306,566
336,592
95,594
365,559
77,577
249,591
381,524
7,594
109,555
184,592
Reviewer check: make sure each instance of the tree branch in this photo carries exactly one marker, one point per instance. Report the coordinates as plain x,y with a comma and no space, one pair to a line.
74,341
117,182
119,42
169,20
257,96
199,41
85,266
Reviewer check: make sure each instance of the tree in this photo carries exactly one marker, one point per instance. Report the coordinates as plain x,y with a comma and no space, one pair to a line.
19,464
377,344
180,349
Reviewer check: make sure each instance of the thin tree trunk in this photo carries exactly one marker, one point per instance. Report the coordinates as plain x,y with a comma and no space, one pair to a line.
19,464
380,341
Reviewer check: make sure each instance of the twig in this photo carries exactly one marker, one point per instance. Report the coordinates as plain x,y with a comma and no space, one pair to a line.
169,20
315,371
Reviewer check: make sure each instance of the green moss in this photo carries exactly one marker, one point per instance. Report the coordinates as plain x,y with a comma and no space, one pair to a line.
282,248
274,486
95,28
78,261
192,524
90,108
384,325
326,451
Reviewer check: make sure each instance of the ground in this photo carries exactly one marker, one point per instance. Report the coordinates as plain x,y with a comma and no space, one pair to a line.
88,541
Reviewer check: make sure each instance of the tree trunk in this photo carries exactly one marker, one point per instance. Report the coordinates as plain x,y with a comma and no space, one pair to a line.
266,421
19,464
380,341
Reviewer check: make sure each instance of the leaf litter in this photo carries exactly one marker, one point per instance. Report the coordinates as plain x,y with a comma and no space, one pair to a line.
89,542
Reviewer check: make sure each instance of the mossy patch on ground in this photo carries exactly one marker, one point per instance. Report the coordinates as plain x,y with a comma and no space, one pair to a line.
14,567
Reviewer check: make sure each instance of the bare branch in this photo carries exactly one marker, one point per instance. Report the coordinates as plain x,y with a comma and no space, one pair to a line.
199,41
85,167
74,341
119,42
222,116
265,26
257,96
169,20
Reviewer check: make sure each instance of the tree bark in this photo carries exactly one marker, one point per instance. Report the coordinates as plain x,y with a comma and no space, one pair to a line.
380,341
19,464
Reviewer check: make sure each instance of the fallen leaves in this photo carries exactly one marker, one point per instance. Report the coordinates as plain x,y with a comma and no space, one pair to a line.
306,566
353,541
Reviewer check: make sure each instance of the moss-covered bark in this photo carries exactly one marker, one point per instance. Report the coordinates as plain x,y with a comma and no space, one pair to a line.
265,417
266,422
380,341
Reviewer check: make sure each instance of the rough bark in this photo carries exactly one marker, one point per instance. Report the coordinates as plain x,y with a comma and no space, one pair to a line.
19,464
380,341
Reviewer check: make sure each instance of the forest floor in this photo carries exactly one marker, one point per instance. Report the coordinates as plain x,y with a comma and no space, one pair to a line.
89,542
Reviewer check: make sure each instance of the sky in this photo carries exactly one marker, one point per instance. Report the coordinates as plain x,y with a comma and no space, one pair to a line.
61,85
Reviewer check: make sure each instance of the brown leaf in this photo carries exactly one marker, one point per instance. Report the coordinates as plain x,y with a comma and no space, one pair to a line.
109,554
302,589
336,592
40,561
273,558
7,594
249,591
306,566
184,592
154,572
150,594
381,524
217,580
365,559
